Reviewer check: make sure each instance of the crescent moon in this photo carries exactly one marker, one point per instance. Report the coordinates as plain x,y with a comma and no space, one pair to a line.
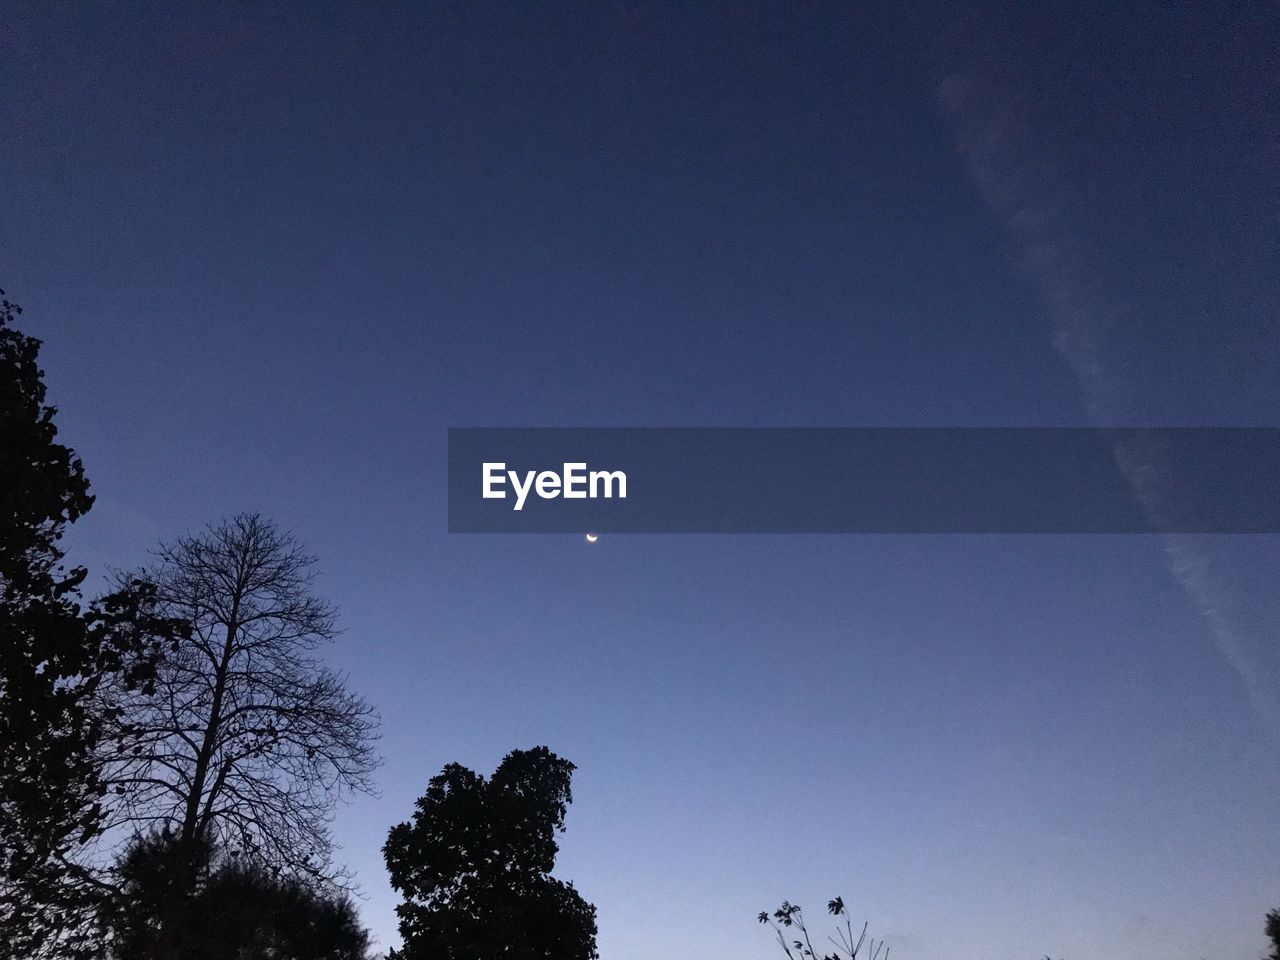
592,538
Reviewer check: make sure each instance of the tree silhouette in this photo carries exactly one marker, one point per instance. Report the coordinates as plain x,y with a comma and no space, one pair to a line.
1273,933
57,663
473,866
789,917
248,741
231,908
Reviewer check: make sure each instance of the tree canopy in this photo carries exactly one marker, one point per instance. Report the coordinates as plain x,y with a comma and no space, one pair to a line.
473,865
232,907
57,661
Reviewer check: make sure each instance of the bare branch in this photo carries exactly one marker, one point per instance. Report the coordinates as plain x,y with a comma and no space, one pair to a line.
247,740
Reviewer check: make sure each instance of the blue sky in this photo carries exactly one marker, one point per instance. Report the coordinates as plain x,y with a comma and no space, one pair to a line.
274,256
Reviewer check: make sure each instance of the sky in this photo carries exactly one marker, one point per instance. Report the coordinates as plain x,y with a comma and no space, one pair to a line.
274,252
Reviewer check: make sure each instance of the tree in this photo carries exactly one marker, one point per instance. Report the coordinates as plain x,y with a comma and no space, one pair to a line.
56,662
249,741
234,908
1273,933
473,866
790,917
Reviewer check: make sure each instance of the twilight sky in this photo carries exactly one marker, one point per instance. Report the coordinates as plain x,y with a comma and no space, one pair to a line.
274,251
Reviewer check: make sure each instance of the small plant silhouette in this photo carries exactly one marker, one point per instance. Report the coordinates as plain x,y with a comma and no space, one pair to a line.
790,917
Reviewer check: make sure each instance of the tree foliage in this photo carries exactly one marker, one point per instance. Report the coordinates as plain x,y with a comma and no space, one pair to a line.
473,865
57,662
787,923
232,907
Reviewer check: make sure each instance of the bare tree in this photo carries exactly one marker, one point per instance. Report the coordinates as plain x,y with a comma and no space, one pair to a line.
248,740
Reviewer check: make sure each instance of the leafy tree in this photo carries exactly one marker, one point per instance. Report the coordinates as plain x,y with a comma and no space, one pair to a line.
248,741
57,661
1273,932
473,865
234,908
789,917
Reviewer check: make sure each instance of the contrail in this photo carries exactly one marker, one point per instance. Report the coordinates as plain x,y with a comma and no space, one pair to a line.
1020,188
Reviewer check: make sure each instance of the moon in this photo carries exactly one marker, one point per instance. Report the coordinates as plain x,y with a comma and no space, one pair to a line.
592,538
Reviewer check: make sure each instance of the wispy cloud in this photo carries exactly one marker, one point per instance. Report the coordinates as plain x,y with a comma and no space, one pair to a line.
1019,185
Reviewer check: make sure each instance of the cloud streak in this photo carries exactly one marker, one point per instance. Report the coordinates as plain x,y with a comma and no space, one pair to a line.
1019,186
